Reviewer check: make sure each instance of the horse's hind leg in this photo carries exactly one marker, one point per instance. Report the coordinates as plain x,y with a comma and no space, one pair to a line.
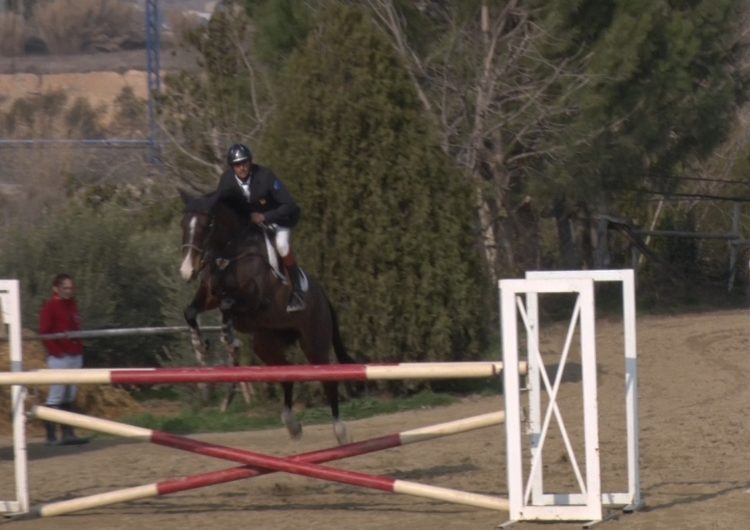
290,421
269,346
316,347
340,429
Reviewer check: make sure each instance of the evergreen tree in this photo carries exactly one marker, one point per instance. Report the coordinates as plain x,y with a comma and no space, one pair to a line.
280,27
664,89
387,222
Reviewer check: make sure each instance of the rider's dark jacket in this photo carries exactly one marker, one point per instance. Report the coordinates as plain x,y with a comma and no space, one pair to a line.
268,195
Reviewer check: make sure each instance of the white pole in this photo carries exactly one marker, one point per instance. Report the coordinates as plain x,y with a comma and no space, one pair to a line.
100,499
511,392
10,313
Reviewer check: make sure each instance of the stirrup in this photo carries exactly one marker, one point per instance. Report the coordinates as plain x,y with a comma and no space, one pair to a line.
296,303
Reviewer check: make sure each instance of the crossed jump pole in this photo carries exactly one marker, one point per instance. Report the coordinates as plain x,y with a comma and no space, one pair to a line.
257,464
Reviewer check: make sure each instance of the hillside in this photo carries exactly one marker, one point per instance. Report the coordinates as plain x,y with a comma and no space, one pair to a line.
121,62
98,77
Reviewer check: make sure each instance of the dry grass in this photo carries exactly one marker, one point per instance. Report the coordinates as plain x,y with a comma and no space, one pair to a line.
74,26
181,23
12,34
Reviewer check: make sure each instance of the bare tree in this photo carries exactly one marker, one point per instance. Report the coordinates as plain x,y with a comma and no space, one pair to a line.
227,101
499,104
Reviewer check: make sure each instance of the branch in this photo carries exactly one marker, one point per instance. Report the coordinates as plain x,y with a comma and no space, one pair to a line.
386,13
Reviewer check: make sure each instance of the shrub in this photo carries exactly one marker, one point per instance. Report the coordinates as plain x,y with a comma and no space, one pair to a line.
74,26
117,268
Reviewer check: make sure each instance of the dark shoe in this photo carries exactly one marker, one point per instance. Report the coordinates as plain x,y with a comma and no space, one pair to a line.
51,436
296,302
69,437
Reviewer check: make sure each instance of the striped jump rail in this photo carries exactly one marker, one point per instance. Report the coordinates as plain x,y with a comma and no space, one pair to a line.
267,374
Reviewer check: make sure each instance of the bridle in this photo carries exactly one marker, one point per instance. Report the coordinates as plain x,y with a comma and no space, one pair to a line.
222,262
193,247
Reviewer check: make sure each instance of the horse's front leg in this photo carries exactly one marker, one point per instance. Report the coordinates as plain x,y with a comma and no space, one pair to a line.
200,345
232,344
202,301
228,337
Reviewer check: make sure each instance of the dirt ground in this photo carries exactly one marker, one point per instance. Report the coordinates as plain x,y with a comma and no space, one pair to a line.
694,442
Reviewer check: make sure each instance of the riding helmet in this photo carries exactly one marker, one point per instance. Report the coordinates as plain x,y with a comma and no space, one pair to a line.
238,153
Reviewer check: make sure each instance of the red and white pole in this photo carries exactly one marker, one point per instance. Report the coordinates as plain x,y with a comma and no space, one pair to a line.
268,374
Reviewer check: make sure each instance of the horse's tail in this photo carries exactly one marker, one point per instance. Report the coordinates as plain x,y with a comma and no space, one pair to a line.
342,355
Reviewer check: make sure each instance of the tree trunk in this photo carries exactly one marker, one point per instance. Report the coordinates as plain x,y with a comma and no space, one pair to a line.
569,258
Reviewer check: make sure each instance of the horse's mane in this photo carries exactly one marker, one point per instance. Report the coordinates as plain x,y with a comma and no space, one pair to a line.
217,210
203,204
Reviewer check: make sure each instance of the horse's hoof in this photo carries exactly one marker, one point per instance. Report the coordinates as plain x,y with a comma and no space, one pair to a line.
231,345
342,432
293,426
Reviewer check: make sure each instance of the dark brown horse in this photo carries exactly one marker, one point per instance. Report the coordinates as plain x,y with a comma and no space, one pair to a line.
237,275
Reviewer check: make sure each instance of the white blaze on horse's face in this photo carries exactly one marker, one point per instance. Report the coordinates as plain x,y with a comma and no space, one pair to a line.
187,270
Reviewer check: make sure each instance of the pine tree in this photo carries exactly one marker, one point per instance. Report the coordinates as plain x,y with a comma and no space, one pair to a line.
387,222
664,89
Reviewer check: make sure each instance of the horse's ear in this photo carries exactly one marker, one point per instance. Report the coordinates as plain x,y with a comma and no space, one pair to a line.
210,200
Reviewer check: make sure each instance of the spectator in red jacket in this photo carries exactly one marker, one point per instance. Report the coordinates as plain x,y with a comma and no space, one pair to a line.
60,314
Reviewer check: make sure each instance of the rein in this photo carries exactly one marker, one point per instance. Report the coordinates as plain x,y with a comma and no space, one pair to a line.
221,261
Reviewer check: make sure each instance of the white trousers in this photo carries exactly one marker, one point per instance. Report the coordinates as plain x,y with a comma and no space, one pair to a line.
62,394
282,240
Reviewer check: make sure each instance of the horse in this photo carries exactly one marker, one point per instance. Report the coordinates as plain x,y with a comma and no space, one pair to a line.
237,272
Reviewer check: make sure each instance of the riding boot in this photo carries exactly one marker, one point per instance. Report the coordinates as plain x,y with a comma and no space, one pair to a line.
297,298
68,434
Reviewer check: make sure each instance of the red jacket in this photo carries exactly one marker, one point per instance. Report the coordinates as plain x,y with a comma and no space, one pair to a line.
59,315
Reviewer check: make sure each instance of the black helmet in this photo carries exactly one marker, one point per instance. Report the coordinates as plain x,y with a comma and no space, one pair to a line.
238,153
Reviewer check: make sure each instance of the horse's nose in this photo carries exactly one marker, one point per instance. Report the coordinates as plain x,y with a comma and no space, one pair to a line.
186,269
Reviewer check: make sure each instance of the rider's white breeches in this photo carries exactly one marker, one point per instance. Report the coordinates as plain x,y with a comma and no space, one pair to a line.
282,240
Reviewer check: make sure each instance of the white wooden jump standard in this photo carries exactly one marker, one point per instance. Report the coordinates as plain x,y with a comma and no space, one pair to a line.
588,505
300,464
630,500
10,315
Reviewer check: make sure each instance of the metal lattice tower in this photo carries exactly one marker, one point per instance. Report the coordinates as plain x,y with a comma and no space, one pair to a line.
153,68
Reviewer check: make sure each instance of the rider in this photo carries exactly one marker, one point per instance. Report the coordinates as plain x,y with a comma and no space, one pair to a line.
257,193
